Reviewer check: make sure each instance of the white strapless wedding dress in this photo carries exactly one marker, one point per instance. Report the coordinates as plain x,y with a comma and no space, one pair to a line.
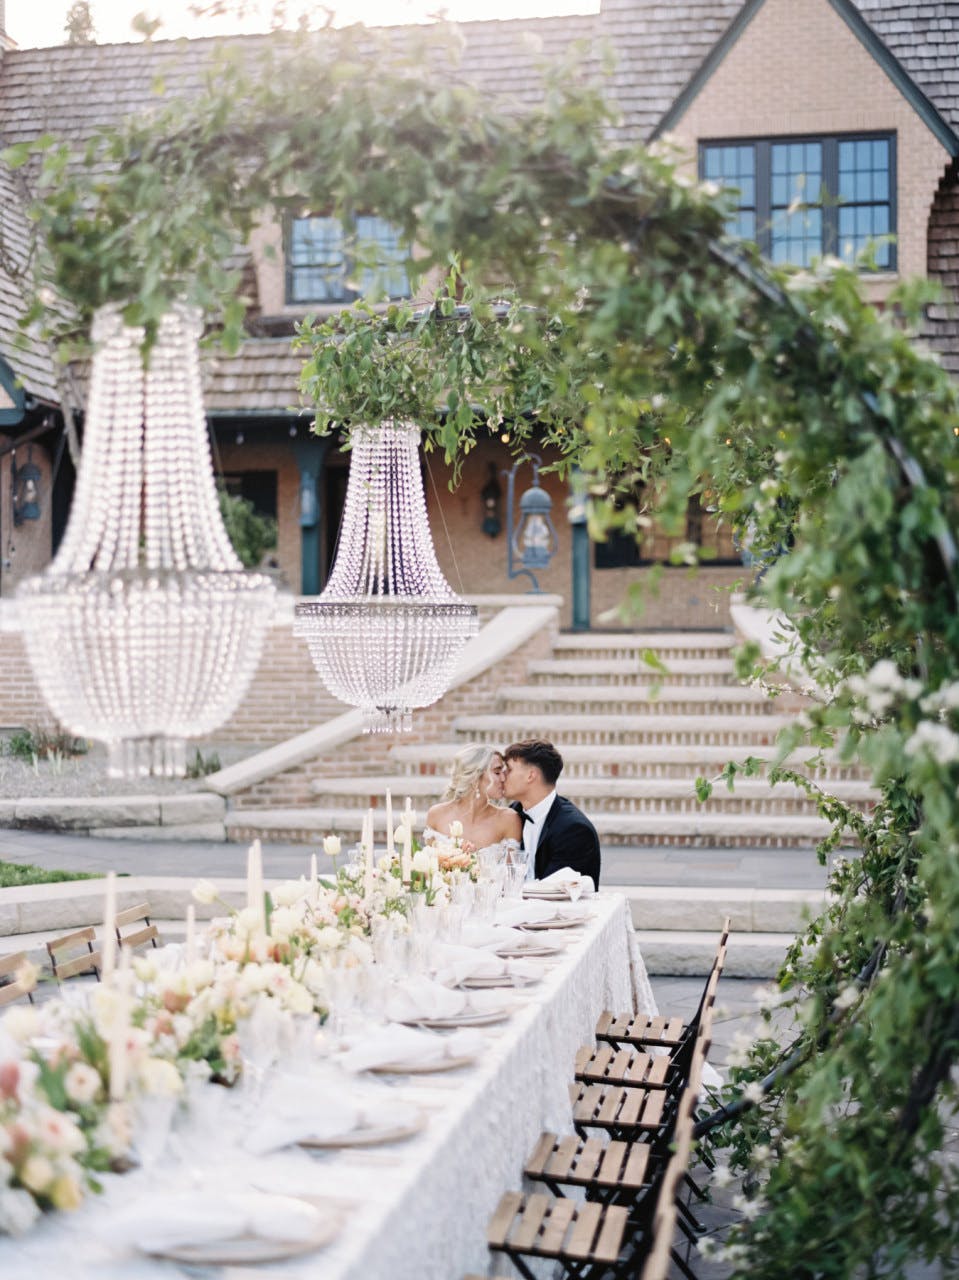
502,850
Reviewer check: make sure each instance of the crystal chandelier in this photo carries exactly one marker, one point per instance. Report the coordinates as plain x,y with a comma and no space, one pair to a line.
386,632
145,629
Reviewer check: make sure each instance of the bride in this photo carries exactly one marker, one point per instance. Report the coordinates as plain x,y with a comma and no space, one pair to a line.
475,798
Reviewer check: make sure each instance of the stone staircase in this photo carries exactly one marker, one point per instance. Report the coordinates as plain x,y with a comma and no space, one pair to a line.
634,739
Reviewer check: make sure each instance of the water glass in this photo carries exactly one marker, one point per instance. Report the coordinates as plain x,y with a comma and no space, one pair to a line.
515,880
488,892
152,1119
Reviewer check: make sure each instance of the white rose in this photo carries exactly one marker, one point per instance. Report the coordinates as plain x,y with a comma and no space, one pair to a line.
285,894
160,1078
58,1132
328,939
205,891
18,1211
248,921
283,922
456,830
36,1173
81,1082
332,846
297,999
21,1022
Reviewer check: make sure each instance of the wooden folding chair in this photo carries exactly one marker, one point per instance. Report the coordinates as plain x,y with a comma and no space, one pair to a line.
10,987
584,1239
661,1242
138,915
640,1031
607,1063
612,1173
73,954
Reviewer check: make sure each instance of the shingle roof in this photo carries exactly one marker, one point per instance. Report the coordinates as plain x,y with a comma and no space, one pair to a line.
261,378
924,36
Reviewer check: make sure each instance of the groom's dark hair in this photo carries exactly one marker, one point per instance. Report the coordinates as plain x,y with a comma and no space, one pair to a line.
540,753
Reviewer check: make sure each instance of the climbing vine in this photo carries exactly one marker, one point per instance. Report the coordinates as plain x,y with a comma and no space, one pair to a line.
641,347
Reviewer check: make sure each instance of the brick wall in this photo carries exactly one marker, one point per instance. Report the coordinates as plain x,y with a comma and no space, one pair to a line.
797,68
366,753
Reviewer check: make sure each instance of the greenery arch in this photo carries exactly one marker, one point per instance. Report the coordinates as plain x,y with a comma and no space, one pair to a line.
816,420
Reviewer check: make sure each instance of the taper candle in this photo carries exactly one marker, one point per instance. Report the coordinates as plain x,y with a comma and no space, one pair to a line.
117,1051
108,945
390,843
406,861
314,881
190,933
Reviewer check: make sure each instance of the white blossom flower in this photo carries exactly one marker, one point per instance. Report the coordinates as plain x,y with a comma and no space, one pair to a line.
456,829
205,892
37,1173
21,1022
81,1082
722,1176
285,894
160,1078
422,862
750,1209
753,1092
847,997
935,740
332,846
18,1211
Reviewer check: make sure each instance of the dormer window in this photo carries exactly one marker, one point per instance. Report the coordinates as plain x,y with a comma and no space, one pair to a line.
800,198
321,265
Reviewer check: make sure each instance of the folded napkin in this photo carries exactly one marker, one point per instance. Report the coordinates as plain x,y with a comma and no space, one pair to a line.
172,1221
490,937
292,1115
408,1046
565,877
526,911
454,964
423,998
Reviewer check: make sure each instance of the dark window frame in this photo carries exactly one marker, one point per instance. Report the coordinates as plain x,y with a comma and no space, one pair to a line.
830,143
344,294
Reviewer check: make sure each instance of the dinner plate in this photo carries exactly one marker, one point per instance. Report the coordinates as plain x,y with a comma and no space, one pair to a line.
500,980
548,895
247,1249
425,1068
532,951
484,1019
556,922
367,1136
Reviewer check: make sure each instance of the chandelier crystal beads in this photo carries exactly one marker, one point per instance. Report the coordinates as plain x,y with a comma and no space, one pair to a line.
386,632
145,630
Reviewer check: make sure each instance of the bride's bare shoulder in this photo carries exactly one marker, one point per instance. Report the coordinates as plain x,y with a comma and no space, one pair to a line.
439,814
509,827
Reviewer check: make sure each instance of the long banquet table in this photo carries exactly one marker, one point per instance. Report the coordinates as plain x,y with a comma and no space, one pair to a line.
417,1208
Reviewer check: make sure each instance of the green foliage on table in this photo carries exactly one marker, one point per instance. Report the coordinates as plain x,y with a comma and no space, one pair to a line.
661,364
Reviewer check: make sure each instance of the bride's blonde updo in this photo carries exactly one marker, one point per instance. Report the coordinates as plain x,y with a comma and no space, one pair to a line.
467,770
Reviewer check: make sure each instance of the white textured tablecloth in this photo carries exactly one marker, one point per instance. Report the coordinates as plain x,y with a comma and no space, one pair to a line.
417,1209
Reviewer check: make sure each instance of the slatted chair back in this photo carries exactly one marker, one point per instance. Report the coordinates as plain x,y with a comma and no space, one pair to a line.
13,988
73,954
142,933
641,1031
662,1251
581,1236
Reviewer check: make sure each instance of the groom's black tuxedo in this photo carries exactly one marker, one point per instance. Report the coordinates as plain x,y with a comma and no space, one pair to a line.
568,839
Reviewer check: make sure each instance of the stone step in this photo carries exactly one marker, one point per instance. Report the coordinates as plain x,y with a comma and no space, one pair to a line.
630,644
307,825
606,795
659,760
664,700
733,729
588,671
682,953
169,816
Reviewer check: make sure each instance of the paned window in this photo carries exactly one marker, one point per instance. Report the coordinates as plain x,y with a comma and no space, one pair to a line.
320,266
800,198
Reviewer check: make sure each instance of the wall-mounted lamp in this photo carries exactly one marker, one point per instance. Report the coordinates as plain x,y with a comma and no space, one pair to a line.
532,539
309,507
492,497
25,482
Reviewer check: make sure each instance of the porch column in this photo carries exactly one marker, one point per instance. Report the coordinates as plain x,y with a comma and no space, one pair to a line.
310,454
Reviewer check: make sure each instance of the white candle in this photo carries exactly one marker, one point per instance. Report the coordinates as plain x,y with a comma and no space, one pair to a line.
258,889
314,881
117,1051
190,933
406,862
390,845
249,876
108,946
408,813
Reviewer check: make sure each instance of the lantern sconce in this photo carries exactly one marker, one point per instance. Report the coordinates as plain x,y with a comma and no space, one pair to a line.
25,482
532,539
492,498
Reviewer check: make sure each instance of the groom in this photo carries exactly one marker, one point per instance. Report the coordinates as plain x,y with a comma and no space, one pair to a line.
555,832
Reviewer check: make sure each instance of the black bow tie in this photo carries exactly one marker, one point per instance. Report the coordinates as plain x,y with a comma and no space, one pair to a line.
518,808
